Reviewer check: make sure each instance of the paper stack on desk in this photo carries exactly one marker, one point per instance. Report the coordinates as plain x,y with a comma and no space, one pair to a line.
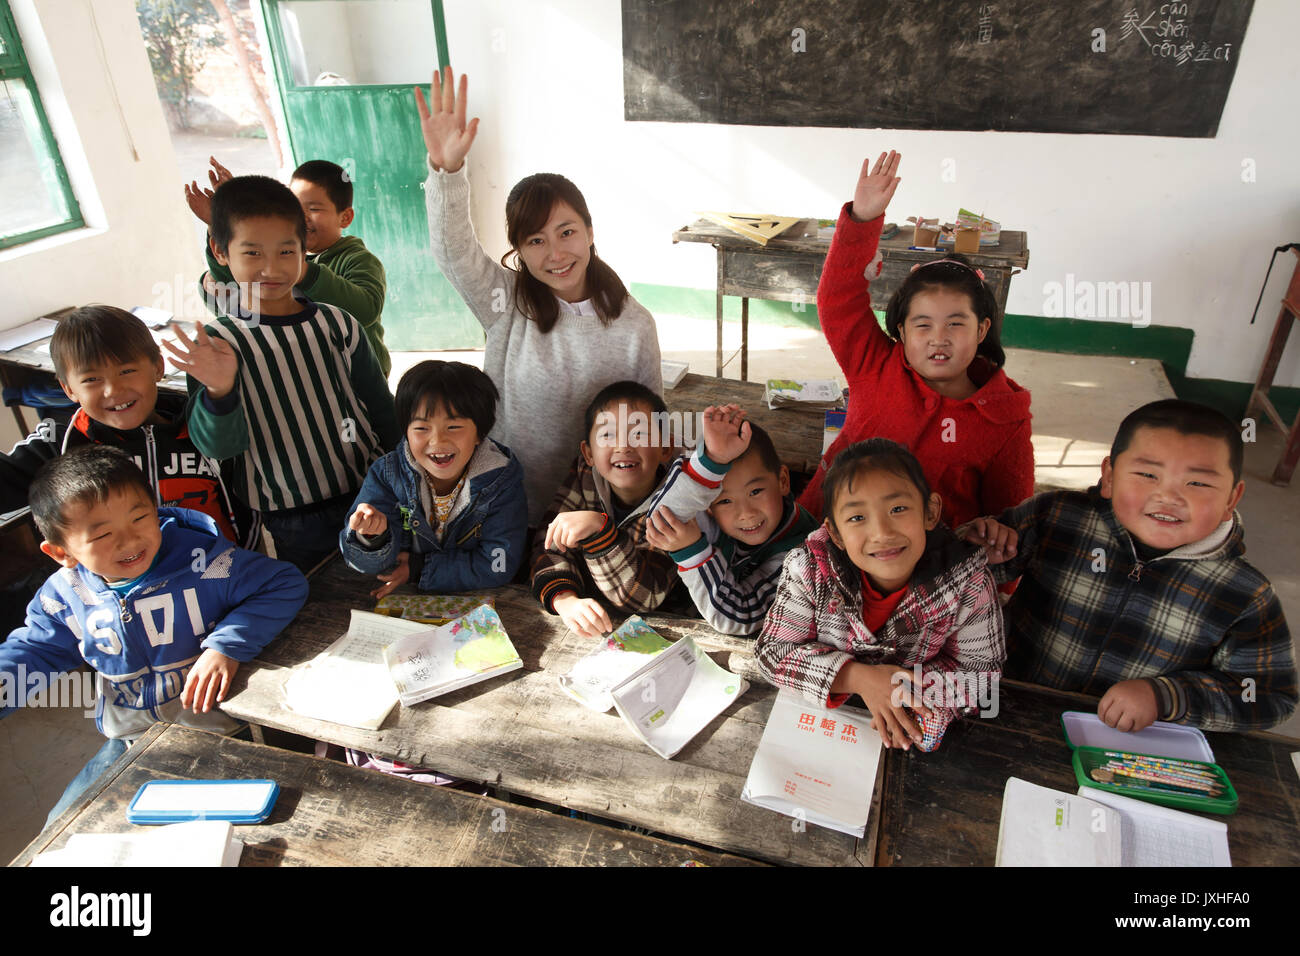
809,393
194,843
816,764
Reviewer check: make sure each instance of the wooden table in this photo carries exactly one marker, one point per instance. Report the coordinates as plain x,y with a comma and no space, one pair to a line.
1286,464
788,270
944,808
520,732
796,432
330,814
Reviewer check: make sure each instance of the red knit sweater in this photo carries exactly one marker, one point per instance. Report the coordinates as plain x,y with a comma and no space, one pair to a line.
987,463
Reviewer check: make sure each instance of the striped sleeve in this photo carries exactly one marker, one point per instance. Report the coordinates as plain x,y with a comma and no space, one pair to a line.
630,574
731,605
690,486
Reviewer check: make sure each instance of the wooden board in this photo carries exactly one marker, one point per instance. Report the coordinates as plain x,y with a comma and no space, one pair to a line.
1080,67
522,733
944,808
330,814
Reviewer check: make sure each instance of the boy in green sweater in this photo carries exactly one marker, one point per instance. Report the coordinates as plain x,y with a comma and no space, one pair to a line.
340,269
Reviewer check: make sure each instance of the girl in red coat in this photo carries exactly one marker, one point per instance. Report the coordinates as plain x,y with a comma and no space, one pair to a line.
934,383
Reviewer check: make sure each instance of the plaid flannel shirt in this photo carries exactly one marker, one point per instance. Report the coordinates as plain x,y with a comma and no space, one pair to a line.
950,621
615,564
1200,622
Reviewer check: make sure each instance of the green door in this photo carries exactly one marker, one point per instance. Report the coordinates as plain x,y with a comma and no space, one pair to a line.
328,57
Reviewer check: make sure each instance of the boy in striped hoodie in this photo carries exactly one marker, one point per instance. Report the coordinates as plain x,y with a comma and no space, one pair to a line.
726,517
317,410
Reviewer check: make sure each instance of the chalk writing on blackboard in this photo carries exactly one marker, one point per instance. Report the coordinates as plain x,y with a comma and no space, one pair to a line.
1166,33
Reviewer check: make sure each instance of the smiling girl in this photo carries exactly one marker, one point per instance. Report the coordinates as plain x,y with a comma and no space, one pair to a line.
560,323
933,380
884,602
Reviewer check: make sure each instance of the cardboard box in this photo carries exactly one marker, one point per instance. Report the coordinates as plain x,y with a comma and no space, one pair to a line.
926,232
967,241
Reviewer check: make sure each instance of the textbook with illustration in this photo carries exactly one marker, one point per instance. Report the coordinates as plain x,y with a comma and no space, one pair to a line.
438,660
805,393
674,695
618,657
1044,827
816,764
349,682
432,608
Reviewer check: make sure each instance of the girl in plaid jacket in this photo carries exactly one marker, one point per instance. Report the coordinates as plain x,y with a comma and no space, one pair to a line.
883,601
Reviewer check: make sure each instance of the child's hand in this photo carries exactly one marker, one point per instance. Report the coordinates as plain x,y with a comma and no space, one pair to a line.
998,540
368,520
667,532
726,433
446,135
200,199
568,529
395,578
1129,706
583,616
210,360
208,681
876,186
887,689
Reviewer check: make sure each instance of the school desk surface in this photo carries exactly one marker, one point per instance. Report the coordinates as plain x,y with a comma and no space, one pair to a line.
522,734
330,814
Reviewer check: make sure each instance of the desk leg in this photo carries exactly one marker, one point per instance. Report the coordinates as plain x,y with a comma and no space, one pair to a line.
744,339
722,284
255,731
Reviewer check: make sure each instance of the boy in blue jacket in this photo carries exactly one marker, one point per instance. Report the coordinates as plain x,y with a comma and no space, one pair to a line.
155,599
447,507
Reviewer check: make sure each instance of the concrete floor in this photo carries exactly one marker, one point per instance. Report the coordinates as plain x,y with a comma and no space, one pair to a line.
1077,403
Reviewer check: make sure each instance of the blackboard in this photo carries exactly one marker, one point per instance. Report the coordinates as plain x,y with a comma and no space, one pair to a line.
1067,66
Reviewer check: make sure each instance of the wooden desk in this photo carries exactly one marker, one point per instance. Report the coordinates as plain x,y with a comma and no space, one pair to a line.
788,270
330,814
796,432
1268,370
944,808
522,733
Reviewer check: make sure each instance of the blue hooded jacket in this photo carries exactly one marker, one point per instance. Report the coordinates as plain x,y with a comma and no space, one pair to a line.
483,543
202,592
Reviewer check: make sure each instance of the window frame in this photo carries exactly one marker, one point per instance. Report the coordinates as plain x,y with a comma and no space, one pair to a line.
14,66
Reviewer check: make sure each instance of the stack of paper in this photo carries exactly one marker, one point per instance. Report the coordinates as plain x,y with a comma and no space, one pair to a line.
811,393
1044,827
816,764
438,660
195,843
619,656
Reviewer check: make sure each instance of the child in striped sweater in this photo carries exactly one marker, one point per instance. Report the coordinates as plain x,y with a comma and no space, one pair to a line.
317,411
726,517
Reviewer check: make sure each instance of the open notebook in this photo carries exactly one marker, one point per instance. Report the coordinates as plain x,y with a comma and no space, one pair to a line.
1045,827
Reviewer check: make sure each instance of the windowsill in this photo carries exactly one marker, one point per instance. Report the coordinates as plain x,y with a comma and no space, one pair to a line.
37,246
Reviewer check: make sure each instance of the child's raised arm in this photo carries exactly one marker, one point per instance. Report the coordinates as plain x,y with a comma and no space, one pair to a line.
876,186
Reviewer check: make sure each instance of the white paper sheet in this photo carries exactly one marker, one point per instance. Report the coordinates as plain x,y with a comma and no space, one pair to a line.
1044,827
816,764
26,333
193,843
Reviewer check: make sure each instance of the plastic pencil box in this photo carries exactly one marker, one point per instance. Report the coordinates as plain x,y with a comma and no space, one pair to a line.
1093,744
175,801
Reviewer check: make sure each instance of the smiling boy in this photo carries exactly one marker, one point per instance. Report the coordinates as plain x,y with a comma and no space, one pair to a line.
340,269
316,408
107,361
1139,591
591,553
161,606
726,517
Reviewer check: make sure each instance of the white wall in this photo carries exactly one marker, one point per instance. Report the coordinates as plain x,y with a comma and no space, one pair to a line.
139,234
546,79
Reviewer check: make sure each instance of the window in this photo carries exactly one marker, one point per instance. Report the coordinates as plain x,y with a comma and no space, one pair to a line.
36,198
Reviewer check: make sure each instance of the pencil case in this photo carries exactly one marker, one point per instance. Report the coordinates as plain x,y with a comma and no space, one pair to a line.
1093,744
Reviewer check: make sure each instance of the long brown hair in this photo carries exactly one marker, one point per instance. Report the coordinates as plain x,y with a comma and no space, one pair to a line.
528,207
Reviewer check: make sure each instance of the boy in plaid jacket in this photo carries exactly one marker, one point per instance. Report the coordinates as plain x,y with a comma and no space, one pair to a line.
1138,589
591,552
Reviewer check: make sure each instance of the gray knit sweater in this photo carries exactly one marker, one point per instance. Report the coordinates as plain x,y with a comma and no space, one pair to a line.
545,379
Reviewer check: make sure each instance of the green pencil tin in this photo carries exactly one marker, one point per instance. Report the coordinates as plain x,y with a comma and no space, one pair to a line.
1091,740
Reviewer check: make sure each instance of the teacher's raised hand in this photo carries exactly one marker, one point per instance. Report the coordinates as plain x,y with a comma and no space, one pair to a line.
446,134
